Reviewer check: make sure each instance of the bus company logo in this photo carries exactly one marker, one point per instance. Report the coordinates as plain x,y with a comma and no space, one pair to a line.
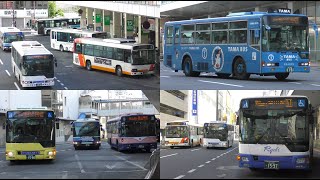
217,58
270,149
104,61
204,53
271,57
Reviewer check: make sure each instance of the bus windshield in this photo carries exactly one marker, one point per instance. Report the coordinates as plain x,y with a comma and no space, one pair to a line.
176,131
277,37
141,57
216,131
31,130
138,128
37,65
10,37
86,129
288,127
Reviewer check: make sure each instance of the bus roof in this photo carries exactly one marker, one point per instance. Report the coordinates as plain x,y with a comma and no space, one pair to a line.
268,97
57,18
126,115
112,42
9,29
31,109
232,16
68,30
30,48
86,120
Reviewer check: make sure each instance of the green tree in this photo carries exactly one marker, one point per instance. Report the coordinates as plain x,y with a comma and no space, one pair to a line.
53,11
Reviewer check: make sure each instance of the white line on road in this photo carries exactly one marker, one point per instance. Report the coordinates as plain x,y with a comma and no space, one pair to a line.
201,165
217,157
294,83
179,177
213,159
58,80
169,155
16,85
65,88
192,170
62,84
79,163
8,73
208,162
164,76
220,83
132,163
195,149
1,62
315,84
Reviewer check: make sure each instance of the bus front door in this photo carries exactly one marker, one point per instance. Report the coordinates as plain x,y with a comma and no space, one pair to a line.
171,52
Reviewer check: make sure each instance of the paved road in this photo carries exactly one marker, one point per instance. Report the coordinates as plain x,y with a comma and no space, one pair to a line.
202,163
209,81
69,76
105,163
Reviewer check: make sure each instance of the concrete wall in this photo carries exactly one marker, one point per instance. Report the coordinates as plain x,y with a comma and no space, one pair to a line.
71,104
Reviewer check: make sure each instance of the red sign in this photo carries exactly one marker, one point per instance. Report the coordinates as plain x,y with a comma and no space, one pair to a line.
138,118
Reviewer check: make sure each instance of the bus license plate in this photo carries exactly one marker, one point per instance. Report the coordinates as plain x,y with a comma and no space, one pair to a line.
31,157
271,165
141,146
289,69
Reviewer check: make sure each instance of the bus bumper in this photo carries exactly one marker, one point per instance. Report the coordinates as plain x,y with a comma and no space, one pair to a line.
87,144
218,144
43,155
141,73
277,69
7,48
138,146
37,83
284,162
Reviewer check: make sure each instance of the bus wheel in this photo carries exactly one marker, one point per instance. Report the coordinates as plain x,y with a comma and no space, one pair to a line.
61,48
282,76
119,71
222,75
240,69
88,65
187,68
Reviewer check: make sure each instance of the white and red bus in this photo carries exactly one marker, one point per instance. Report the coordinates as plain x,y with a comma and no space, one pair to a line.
132,132
116,55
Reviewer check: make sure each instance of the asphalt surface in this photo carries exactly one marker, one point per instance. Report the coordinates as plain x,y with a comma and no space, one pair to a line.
72,77
105,163
220,163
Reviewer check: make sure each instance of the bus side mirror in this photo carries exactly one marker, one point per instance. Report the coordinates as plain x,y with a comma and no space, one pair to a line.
55,62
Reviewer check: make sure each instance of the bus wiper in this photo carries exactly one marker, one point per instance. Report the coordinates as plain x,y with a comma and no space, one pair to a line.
264,133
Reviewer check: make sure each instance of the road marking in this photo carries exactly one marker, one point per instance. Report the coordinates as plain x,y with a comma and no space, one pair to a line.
179,177
62,84
79,163
201,165
16,85
164,76
295,83
63,150
213,159
1,62
132,163
65,176
315,84
217,157
65,88
8,73
169,155
192,170
58,80
208,162
196,149
220,83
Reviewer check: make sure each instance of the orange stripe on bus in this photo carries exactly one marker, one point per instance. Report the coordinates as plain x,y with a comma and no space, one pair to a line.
108,69
81,60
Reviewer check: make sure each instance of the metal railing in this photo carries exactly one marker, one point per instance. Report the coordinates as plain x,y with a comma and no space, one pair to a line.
153,162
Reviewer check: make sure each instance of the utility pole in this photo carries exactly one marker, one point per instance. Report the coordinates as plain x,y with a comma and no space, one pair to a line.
13,18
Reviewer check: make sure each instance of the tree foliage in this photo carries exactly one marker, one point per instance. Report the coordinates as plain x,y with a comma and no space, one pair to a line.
53,11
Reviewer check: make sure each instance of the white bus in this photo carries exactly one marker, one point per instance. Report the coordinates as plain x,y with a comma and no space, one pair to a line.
62,38
183,134
8,35
116,55
32,64
218,134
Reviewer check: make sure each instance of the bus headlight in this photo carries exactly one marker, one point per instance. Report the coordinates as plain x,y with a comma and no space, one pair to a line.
98,142
10,154
301,160
245,159
50,153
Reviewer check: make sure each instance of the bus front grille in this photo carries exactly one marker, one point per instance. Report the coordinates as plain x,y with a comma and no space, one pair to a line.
202,66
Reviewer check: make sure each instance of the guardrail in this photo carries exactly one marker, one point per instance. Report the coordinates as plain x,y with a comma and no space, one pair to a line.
153,162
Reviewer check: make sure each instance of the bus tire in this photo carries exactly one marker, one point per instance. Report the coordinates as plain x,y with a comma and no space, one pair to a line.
240,69
171,147
223,75
119,71
282,76
88,65
187,68
61,48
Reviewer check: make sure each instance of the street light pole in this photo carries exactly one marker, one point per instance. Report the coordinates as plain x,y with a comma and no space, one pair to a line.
13,23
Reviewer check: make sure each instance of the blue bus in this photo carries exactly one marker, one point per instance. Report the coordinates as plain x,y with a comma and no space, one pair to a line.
9,35
276,133
241,44
86,133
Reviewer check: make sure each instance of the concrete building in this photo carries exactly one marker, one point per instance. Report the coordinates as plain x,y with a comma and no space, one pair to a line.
24,11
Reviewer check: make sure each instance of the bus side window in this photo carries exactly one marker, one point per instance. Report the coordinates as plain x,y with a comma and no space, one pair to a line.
127,56
78,48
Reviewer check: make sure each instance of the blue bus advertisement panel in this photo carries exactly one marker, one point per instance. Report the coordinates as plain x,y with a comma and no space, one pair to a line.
275,133
241,44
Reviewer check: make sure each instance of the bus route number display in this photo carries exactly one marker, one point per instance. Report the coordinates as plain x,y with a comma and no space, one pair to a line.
138,118
27,114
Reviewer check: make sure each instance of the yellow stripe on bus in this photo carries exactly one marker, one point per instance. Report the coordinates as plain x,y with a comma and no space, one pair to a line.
109,69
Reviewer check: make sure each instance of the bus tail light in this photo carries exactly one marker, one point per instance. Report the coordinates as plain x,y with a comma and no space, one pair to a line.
152,66
238,157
